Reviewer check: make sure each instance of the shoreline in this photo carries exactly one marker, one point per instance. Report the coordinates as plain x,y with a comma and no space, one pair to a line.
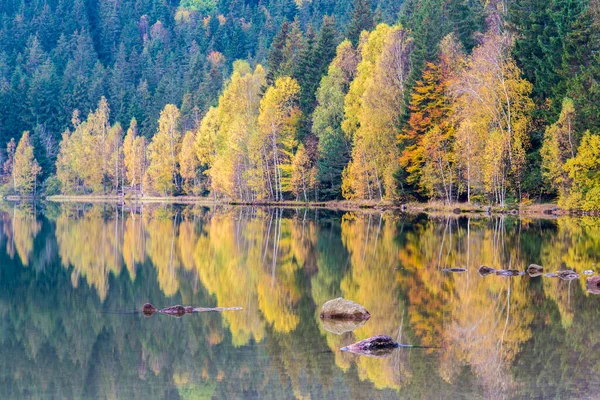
537,209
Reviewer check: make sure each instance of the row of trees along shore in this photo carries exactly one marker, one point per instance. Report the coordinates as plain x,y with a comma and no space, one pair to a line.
496,112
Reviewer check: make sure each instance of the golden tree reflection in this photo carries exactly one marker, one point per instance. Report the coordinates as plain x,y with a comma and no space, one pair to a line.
92,245
280,266
24,227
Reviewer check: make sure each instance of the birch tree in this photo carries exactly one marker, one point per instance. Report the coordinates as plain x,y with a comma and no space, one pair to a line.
493,108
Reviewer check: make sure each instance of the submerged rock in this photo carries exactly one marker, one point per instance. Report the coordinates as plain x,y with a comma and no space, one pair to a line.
593,285
205,309
376,346
484,270
567,275
509,272
588,272
454,270
148,309
535,270
176,311
344,309
341,326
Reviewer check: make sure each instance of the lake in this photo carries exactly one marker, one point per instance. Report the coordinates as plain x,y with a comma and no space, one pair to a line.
72,277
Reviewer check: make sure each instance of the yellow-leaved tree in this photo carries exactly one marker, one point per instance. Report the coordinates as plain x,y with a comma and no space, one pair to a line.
134,152
584,176
162,175
90,157
304,174
560,145
274,146
25,169
493,107
189,164
373,107
224,133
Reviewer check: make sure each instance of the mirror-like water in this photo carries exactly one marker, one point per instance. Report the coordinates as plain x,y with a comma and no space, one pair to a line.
69,275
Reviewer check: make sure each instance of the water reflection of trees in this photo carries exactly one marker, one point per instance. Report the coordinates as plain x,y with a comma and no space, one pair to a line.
280,266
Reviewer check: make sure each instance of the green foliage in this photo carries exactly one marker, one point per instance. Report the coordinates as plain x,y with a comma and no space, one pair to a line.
51,186
203,6
333,148
362,20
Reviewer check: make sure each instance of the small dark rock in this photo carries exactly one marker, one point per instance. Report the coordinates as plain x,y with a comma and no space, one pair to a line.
457,211
593,285
376,346
454,270
509,272
176,311
148,310
567,275
535,270
484,270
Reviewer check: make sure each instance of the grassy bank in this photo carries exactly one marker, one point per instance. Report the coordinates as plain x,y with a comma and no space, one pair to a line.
342,204
349,205
459,208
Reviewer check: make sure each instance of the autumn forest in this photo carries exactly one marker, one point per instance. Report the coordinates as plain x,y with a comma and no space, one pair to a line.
487,102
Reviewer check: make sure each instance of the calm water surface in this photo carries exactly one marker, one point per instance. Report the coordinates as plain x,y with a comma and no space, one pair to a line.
69,275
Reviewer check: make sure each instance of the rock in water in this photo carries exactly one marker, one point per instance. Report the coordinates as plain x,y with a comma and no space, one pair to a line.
535,270
588,272
176,311
376,346
454,270
509,272
484,270
344,309
148,310
593,284
567,275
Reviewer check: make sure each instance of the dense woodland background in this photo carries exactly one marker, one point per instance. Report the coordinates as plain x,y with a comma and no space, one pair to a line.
462,100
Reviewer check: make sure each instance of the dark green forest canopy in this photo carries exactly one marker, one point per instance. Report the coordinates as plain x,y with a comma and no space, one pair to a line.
61,55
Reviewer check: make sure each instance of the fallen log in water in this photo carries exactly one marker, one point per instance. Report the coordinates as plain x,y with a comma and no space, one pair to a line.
179,310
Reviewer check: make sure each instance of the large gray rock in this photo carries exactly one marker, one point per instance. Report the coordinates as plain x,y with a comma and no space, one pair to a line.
344,309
